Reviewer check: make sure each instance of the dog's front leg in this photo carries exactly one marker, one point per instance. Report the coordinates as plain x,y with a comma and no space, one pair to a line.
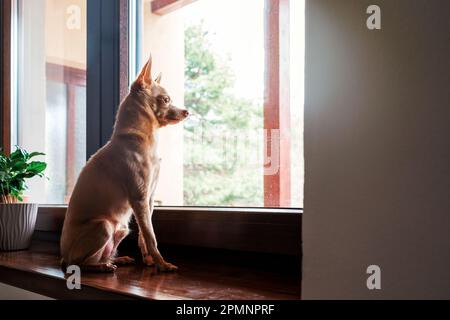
146,258
143,215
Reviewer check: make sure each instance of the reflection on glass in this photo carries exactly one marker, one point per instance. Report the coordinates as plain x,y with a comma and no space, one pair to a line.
49,91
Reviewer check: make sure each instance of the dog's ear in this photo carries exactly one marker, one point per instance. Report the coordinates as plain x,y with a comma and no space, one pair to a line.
145,76
158,78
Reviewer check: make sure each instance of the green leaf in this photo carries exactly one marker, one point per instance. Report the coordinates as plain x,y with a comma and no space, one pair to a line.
16,168
19,154
34,154
36,167
19,165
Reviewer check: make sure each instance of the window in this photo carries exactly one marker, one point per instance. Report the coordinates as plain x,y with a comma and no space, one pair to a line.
237,66
49,91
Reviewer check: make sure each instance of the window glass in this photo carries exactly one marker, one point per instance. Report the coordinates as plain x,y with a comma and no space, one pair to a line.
49,91
237,148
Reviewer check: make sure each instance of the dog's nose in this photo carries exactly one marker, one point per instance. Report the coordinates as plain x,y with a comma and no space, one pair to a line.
185,113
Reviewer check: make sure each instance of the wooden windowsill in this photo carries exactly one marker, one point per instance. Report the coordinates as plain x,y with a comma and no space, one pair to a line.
38,270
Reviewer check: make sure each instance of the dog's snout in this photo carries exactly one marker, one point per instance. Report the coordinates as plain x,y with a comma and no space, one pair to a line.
185,113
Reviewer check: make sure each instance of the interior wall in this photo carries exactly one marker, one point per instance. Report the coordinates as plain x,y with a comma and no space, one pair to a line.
8,292
377,150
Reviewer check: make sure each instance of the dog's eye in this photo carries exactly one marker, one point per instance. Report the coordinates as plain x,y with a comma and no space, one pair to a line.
166,99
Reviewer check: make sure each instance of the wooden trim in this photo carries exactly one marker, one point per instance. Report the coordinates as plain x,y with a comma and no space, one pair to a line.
277,186
66,74
203,275
256,230
70,138
50,219
162,7
5,75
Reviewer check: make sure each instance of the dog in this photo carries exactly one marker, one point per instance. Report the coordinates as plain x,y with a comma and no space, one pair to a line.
119,180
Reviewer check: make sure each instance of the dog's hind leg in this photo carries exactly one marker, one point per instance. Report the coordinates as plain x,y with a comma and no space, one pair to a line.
92,249
119,235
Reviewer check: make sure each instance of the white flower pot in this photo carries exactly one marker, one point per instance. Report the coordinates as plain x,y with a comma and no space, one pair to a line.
17,221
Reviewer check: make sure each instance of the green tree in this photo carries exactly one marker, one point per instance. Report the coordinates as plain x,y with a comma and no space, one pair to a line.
215,174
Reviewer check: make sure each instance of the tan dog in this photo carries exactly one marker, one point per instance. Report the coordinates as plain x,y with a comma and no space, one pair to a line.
120,180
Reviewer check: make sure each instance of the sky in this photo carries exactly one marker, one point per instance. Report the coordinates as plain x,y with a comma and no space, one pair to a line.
236,30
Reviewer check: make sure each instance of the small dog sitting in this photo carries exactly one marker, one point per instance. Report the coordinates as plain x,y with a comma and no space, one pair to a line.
120,180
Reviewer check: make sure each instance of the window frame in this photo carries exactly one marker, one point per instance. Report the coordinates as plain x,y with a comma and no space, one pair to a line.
267,230
261,230
107,68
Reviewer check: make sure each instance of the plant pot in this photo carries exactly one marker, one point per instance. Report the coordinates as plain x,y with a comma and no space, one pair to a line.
17,221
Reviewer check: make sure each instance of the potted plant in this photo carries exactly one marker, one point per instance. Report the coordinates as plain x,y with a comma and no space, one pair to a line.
17,219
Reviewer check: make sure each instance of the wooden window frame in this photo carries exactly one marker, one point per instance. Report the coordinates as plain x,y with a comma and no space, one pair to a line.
162,7
266,230
269,231
277,117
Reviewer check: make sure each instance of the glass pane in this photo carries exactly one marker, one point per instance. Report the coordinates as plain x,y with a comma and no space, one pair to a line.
297,98
216,59
49,91
56,139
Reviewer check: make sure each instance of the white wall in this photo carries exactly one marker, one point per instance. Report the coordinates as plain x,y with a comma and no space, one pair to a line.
8,292
377,150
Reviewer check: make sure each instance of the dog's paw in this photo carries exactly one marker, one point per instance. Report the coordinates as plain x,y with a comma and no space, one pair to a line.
108,267
125,260
148,261
166,267
101,267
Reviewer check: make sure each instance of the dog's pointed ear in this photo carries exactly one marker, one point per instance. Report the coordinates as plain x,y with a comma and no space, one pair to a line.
145,76
158,78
